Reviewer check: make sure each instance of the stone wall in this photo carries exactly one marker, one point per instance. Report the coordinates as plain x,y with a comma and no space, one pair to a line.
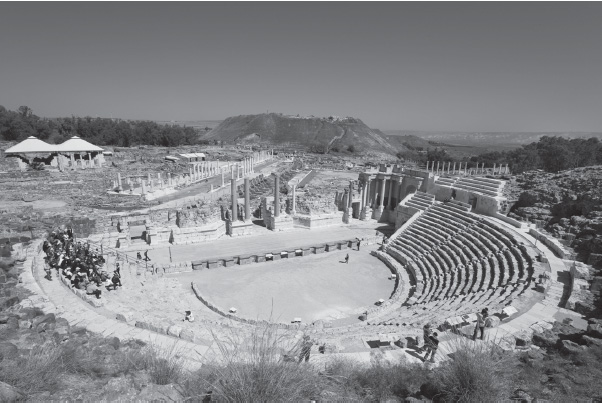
315,204
553,244
317,221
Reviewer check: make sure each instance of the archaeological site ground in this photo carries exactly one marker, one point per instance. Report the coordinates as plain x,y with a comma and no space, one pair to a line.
238,253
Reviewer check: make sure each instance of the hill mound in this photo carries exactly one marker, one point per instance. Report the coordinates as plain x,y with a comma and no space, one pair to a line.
278,129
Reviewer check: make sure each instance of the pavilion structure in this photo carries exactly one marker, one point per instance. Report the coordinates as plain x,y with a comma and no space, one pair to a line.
74,153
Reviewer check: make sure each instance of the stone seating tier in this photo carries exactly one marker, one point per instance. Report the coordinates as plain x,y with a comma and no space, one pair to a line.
467,263
416,205
483,182
476,188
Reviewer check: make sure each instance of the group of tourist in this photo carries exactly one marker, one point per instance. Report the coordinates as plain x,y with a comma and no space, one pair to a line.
431,341
83,267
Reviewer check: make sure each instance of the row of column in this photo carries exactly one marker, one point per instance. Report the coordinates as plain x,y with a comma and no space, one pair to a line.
368,200
149,183
234,196
479,169
89,162
202,170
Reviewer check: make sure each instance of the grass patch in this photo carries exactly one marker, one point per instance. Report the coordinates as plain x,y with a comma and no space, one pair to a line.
477,372
254,368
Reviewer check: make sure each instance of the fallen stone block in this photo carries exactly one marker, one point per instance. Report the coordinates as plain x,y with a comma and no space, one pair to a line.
594,330
188,335
174,331
523,339
570,347
125,316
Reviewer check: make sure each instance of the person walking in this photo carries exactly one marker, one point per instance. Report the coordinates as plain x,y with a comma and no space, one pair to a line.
481,319
146,256
432,347
347,259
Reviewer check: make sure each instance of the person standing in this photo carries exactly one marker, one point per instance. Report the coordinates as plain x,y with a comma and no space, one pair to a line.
481,319
305,348
426,333
358,244
432,347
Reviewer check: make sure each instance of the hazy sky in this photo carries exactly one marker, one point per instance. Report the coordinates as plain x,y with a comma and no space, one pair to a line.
415,66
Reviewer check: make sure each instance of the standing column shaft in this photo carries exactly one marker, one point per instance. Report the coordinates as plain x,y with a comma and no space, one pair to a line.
363,199
234,199
294,209
390,193
247,200
277,196
382,193
350,201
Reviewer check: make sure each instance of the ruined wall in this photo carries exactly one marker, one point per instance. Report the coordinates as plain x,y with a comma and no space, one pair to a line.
315,204
486,205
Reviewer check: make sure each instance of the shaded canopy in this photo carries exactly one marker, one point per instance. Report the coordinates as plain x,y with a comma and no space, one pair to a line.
31,145
34,145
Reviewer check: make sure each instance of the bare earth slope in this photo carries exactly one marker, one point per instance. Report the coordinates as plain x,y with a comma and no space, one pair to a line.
304,131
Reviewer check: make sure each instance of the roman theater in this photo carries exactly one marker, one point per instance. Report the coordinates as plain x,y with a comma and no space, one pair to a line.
356,258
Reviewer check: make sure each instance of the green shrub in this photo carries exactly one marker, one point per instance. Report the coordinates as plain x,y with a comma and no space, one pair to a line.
379,381
252,368
39,371
477,372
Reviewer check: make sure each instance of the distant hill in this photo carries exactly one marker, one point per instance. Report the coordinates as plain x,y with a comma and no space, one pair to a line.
504,140
281,129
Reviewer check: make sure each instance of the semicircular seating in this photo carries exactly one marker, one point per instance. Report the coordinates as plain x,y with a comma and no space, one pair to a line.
459,260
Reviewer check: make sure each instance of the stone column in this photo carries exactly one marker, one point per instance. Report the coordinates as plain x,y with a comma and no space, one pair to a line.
381,204
507,169
350,201
247,199
454,170
448,166
494,168
119,187
276,195
223,179
234,195
427,166
363,200
294,208
465,167
437,167
143,191
390,193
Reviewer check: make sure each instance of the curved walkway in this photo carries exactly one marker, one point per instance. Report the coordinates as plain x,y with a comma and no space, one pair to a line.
54,297
542,315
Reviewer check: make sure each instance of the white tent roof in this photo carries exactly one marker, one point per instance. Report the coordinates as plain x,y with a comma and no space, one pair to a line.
75,144
193,155
31,145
